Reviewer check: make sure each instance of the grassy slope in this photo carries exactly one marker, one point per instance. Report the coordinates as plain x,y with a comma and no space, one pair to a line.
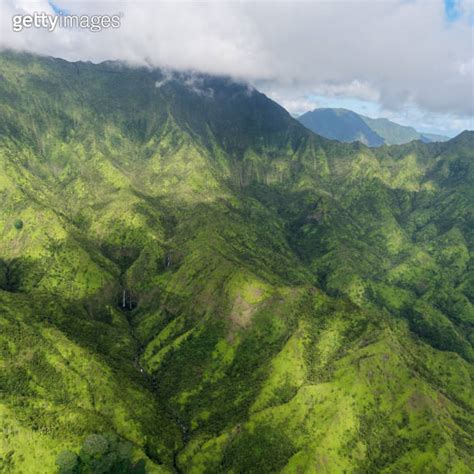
391,132
299,304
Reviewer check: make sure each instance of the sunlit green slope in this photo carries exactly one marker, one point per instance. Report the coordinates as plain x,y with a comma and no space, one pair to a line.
185,268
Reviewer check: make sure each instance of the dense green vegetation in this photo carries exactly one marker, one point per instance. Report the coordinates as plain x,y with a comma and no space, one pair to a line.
104,454
191,281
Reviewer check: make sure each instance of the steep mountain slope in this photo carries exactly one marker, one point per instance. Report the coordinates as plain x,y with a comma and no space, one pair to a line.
342,125
347,126
186,267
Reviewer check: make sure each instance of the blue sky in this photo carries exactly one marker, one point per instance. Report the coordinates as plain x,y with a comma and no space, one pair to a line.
57,9
452,10
456,10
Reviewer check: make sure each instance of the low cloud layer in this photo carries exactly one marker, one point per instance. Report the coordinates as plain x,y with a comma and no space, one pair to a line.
395,53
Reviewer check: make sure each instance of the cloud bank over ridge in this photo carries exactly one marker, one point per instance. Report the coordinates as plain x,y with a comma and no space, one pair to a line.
394,53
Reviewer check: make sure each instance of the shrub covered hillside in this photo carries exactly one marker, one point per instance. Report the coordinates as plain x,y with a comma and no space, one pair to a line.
192,282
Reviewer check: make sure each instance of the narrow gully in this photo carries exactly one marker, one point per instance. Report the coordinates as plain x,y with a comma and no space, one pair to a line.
152,383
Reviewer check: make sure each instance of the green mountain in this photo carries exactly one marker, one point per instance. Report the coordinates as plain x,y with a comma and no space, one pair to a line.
191,281
433,137
347,126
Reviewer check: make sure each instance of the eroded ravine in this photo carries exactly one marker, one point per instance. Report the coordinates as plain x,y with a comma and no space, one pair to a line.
130,311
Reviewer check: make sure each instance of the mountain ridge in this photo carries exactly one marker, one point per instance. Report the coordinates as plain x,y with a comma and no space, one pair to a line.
290,301
348,126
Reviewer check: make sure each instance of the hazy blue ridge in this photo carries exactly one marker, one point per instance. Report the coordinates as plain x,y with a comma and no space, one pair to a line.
347,126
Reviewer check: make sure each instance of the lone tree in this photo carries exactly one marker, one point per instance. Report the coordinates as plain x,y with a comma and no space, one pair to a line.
67,462
18,224
100,454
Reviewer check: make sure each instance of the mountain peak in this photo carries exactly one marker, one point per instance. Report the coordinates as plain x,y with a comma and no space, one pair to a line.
348,126
340,124
464,136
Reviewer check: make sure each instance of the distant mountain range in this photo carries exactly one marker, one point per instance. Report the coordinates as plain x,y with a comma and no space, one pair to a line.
347,126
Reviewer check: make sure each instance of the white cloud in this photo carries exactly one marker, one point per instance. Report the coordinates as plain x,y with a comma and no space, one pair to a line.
394,52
